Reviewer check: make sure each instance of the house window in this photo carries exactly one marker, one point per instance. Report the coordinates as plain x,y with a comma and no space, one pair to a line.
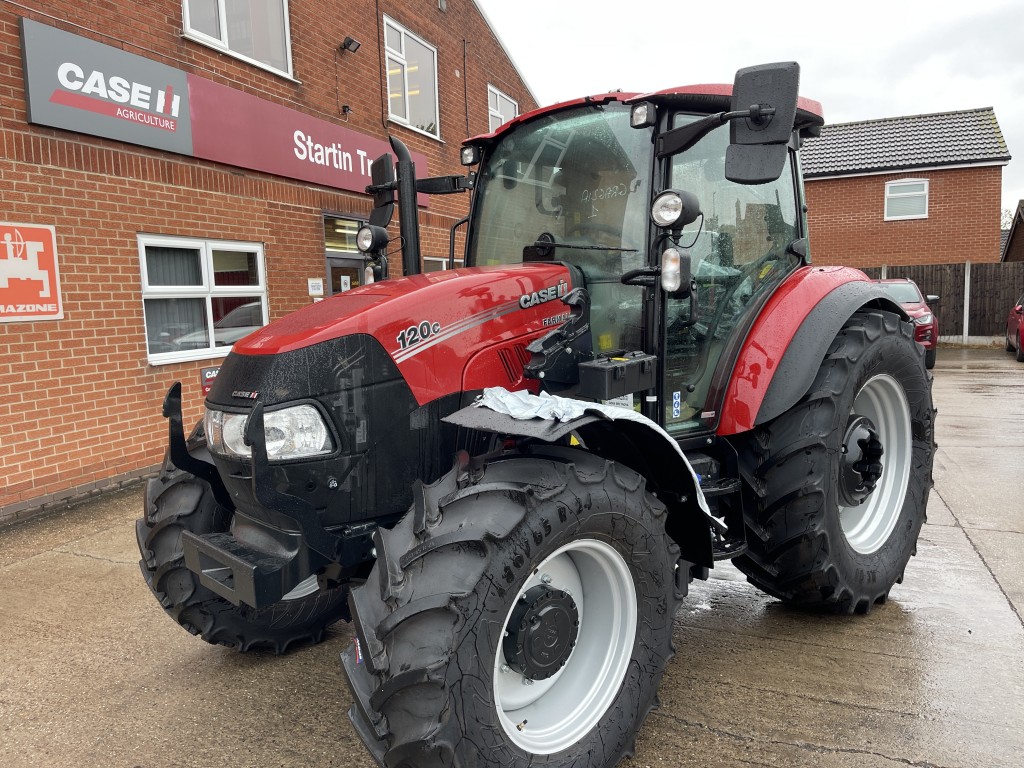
412,79
906,199
199,296
500,108
253,30
438,264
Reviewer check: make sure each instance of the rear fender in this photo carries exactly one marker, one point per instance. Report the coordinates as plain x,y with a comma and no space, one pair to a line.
623,436
788,341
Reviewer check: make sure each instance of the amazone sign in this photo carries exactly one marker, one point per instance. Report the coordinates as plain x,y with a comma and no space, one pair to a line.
81,85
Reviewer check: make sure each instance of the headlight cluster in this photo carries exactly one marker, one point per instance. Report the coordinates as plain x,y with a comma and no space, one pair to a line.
291,433
923,320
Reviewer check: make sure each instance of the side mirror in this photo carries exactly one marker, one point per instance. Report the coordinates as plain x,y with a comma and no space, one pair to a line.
382,174
931,298
759,143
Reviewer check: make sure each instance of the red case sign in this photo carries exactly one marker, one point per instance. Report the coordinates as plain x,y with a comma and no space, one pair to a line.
29,277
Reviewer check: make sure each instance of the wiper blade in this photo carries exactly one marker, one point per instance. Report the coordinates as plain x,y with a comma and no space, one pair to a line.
549,244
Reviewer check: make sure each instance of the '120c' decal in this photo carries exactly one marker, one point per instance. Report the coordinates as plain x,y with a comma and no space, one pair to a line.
414,334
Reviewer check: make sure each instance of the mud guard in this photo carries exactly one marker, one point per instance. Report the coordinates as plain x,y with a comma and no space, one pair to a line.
789,339
617,434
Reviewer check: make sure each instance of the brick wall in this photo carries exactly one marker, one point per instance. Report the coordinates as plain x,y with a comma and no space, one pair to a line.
79,402
847,226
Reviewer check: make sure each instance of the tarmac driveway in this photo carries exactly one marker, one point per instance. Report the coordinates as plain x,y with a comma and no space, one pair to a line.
94,674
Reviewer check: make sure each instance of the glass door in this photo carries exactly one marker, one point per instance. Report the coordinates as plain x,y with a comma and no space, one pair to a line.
345,264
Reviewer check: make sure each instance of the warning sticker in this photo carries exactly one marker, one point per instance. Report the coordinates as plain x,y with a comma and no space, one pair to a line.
29,277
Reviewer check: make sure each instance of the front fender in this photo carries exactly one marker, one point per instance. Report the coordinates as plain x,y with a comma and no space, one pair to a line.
789,339
616,434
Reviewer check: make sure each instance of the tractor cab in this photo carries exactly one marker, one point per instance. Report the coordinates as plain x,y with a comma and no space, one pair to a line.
679,230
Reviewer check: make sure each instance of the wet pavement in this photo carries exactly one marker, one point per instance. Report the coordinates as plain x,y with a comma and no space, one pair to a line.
94,674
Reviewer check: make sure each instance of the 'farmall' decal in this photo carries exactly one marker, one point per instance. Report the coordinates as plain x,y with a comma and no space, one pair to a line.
544,295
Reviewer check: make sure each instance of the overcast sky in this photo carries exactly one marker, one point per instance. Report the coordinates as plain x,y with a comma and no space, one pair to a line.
861,60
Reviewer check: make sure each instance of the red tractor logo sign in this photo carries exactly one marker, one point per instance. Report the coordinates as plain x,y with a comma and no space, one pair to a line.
29,278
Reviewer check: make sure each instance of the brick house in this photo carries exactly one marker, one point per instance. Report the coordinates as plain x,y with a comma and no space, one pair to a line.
175,173
901,191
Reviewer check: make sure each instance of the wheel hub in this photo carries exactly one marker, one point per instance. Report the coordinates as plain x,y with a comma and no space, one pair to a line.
861,465
541,632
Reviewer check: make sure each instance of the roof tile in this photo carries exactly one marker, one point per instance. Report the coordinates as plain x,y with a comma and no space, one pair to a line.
903,143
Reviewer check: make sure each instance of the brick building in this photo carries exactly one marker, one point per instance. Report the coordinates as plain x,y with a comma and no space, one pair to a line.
174,174
906,190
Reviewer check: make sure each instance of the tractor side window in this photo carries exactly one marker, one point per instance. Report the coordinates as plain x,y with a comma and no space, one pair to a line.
579,180
738,251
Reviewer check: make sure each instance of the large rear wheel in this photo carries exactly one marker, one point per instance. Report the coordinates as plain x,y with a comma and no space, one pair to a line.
177,501
844,475
522,616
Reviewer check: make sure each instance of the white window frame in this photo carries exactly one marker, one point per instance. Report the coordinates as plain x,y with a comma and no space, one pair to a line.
496,113
207,290
399,55
441,262
892,193
223,44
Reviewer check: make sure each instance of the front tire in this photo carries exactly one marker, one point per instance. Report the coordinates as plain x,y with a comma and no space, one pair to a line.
177,501
519,617
843,477
1020,350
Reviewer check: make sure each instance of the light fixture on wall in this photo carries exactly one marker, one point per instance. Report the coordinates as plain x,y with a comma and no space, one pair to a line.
349,44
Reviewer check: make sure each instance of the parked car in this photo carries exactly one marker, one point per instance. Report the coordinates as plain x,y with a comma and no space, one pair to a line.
926,323
1014,324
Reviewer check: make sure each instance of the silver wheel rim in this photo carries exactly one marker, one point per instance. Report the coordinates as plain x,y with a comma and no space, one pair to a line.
547,716
868,526
304,588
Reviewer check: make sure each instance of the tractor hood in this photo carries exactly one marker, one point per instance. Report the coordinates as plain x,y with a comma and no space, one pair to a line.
445,331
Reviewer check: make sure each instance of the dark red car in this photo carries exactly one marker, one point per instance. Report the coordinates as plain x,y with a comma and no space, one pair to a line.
1014,326
926,323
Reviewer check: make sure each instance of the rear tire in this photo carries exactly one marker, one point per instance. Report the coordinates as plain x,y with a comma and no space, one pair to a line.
503,564
177,501
810,542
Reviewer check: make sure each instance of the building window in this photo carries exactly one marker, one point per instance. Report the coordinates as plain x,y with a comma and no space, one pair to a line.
412,79
438,264
906,199
500,108
199,296
253,30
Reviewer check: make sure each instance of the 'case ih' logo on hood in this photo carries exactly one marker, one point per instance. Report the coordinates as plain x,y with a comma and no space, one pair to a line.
117,96
245,395
544,295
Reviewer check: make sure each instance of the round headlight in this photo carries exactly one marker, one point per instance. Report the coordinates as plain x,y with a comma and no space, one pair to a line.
667,208
371,238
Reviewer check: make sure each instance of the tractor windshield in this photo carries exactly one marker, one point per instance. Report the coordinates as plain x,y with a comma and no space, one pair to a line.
581,180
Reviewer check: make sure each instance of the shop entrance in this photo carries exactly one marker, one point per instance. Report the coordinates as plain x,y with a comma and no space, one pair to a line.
345,264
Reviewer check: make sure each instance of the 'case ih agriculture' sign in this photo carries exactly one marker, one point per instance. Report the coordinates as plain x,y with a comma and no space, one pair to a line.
29,278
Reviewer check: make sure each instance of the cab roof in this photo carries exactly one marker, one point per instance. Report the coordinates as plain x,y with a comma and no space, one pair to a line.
709,98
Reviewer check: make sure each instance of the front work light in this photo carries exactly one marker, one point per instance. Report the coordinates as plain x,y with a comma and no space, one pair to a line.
675,209
642,115
371,238
470,155
291,433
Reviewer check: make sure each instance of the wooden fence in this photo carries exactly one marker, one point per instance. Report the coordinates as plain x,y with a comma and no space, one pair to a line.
991,290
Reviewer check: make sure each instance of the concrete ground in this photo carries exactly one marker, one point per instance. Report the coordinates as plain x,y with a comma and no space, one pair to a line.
93,673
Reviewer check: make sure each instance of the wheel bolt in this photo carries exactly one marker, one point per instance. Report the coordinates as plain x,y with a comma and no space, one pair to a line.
546,578
527,681
505,669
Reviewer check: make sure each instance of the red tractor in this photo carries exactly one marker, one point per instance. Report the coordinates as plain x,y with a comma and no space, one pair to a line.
506,475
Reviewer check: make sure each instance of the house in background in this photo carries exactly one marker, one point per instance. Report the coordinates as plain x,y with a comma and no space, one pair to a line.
1013,245
902,191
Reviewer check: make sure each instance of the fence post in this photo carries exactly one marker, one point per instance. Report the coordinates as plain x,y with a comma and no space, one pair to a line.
885,270
967,299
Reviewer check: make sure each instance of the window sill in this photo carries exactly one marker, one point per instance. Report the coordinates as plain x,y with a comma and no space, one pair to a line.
420,131
168,358
206,43
906,218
